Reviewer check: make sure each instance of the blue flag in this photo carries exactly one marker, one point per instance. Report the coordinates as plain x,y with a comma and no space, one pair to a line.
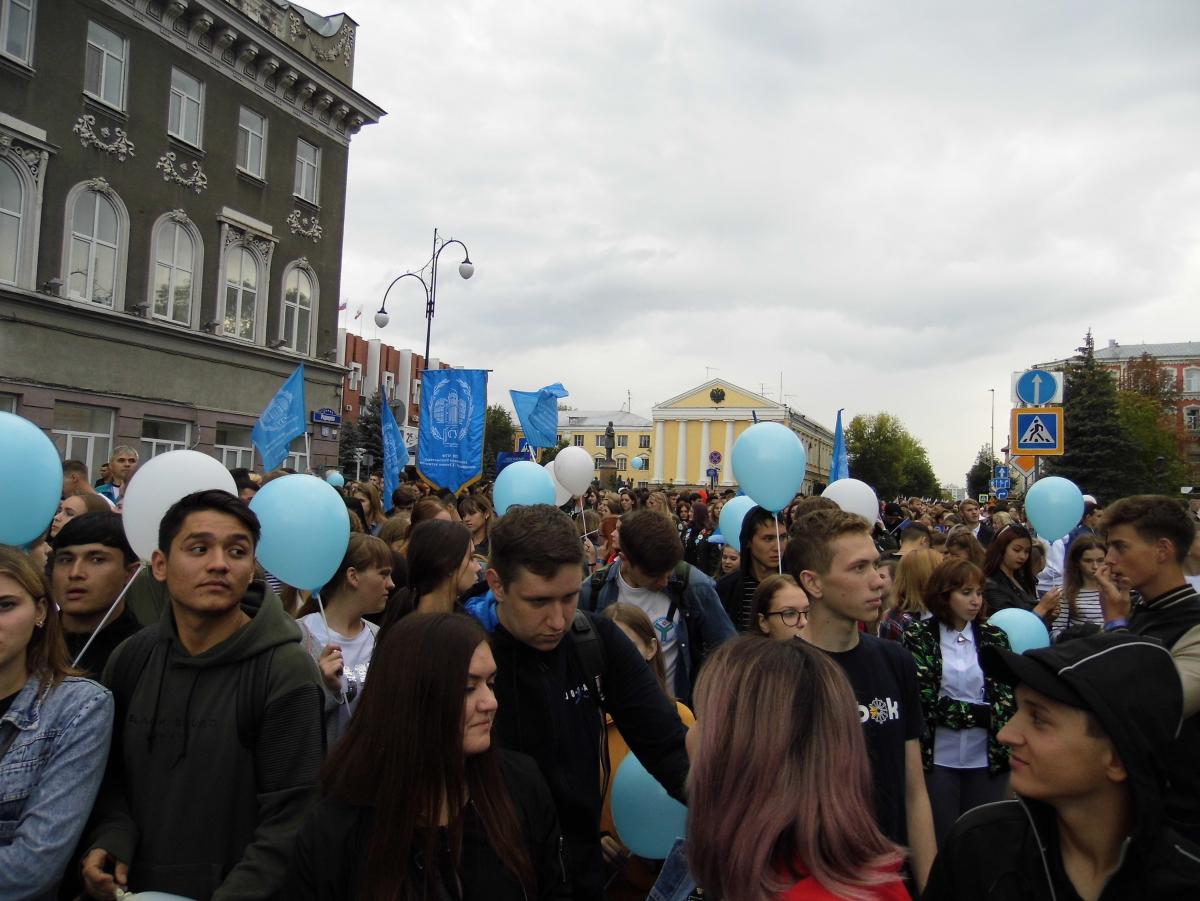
395,454
537,411
281,421
450,437
840,468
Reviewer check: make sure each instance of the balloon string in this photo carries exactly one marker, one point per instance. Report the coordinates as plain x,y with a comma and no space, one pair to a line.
329,632
96,631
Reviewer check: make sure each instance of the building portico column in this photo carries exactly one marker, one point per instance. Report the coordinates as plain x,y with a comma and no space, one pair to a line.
727,460
658,450
705,447
681,453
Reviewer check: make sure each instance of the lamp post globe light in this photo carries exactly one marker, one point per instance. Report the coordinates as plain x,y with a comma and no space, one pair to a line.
465,269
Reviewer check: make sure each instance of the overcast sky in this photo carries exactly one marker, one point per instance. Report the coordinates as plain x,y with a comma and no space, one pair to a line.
894,204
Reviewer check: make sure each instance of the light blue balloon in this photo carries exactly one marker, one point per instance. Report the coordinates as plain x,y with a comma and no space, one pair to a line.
769,462
730,522
522,483
1024,629
32,482
335,478
305,530
1054,506
648,820
637,463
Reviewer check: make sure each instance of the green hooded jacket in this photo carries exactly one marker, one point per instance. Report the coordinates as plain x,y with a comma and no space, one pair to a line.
215,757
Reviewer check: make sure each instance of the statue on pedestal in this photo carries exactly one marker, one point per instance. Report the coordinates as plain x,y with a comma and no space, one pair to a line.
609,442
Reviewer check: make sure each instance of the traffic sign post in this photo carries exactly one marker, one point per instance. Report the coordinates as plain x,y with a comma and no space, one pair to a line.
1037,431
1001,494
715,458
1037,387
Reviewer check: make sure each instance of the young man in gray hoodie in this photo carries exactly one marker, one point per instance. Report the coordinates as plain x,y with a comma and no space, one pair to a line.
218,738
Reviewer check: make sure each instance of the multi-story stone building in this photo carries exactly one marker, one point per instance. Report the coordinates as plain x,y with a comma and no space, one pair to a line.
172,194
374,366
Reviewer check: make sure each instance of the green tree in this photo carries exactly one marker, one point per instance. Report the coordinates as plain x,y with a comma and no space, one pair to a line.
1157,465
348,438
370,432
1098,454
882,453
549,453
979,475
499,434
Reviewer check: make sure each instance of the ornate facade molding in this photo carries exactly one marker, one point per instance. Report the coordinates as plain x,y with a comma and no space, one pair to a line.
119,146
98,184
305,226
179,216
197,181
31,157
343,47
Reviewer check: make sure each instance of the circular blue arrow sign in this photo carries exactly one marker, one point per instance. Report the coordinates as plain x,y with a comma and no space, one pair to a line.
1036,387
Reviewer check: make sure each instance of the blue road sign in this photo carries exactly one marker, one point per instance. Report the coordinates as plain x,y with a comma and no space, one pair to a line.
1037,430
1002,472
711,473
1001,494
1003,484
1036,386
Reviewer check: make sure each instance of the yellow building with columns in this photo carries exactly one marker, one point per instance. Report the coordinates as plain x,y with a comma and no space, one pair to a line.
689,428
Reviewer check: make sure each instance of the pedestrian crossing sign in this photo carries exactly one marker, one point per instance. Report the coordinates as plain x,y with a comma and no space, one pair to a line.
1037,430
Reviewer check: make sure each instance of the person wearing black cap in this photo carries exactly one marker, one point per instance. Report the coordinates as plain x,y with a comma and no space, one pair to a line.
1088,768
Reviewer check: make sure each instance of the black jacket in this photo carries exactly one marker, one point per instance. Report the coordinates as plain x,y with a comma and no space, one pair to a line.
731,590
1168,618
330,854
1009,851
1000,593
547,710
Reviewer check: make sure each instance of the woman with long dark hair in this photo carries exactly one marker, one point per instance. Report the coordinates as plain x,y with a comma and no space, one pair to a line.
416,803
793,819
697,549
1010,579
965,763
476,513
441,568
55,731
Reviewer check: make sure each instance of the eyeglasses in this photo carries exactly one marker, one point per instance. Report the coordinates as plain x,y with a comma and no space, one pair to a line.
790,616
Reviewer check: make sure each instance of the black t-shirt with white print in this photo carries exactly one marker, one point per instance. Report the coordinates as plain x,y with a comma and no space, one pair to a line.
884,678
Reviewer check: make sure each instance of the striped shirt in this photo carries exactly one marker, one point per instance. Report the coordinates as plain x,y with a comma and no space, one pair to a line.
1087,610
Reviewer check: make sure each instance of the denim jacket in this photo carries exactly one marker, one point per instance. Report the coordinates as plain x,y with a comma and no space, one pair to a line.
49,777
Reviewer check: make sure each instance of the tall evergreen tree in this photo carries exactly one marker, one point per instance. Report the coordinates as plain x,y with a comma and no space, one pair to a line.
979,476
1098,454
348,438
499,434
370,432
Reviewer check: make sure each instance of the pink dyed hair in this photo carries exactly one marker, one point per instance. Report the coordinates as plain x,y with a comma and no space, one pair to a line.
779,784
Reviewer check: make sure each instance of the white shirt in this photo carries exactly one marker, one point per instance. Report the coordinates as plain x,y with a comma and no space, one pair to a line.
656,605
1051,575
356,657
962,680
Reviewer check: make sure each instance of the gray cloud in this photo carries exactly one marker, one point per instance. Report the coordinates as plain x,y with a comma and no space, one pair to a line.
894,204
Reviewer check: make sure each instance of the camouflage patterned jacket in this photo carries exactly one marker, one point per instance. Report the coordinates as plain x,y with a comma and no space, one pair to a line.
923,640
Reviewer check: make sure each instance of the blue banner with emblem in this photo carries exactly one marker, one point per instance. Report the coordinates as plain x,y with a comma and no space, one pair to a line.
450,436
281,421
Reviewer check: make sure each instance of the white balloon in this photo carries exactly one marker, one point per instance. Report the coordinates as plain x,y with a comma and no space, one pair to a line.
574,469
854,496
561,494
158,484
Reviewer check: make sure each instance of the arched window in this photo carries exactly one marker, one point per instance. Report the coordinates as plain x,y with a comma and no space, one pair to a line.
299,308
174,280
12,202
96,237
241,292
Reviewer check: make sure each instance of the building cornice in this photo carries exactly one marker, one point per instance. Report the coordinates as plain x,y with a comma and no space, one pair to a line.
229,41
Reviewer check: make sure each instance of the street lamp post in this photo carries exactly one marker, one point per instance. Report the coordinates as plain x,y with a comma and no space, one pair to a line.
992,446
465,269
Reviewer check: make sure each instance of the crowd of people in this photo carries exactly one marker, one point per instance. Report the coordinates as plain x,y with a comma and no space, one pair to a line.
445,718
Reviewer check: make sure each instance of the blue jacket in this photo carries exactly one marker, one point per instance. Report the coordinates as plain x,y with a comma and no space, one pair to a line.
49,777
703,623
